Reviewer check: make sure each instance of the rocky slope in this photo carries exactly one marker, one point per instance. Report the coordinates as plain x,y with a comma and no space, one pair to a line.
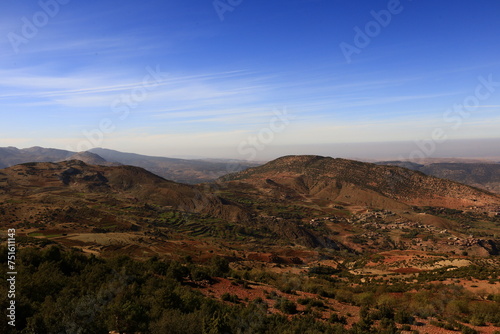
34,186
340,180
481,175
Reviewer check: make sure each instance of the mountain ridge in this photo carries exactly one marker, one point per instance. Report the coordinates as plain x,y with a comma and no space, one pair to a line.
323,176
180,170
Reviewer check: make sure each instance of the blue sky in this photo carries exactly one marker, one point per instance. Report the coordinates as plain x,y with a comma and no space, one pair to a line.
77,74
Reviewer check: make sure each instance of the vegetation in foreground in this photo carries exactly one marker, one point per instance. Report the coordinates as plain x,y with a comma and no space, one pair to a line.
70,292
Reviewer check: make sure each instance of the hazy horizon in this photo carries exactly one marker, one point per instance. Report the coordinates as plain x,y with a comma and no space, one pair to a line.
459,149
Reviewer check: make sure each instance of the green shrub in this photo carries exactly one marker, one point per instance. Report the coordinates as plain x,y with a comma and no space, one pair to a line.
403,317
219,266
303,301
286,306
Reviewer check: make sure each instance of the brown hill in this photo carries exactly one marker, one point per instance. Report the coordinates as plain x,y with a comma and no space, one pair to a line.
124,198
481,175
358,183
35,186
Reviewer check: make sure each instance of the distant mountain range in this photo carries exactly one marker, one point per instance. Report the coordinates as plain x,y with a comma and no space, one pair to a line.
10,156
481,175
179,170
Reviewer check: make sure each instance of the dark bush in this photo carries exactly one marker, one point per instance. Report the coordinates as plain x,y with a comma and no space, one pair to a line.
286,306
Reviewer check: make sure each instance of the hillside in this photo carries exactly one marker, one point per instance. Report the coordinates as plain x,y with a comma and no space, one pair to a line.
96,197
340,180
485,176
481,175
386,205
37,187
